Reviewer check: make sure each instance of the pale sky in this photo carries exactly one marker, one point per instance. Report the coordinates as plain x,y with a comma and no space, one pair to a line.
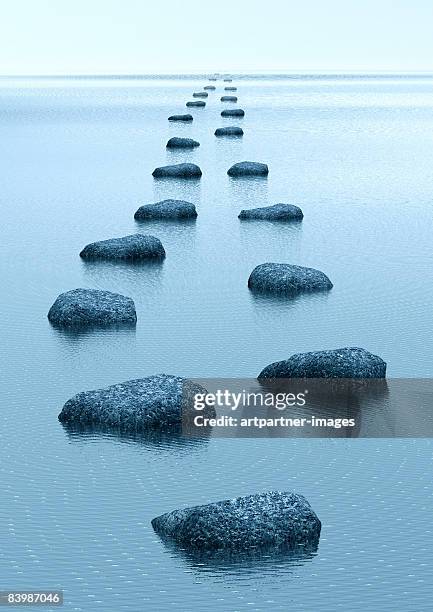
187,36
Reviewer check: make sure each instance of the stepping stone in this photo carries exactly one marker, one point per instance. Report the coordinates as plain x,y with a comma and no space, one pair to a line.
229,131
196,103
166,209
182,143
287,279
181,118
233,112
277,212
132,248
185,171
248,168
200,94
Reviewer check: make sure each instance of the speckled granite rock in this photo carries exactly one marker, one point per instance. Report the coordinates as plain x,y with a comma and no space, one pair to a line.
248,168
186,171
182,143
273,520
166,209
196,103
133,247
281,278
200,94
229,99
230,88
91,307
210,87
277,212
229,131
350,362
155,402
186,117
233,112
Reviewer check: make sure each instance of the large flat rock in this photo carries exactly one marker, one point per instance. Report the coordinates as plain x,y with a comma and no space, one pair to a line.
229,99
184,171
277,212
231,131
166,209
348,362
248,168
272,520
233,112
196,103
210,87
200,94
287,279
133,247
91,307
186,117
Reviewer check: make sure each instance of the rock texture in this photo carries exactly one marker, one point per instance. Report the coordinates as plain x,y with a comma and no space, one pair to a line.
187,117
182,143
277,212
230,88
229,99
133,247
159,402
227,80
273,520
210,87
350,362
185,171
166,209
280,278
87,307
196,103
248,168
233,112
229,131
200,94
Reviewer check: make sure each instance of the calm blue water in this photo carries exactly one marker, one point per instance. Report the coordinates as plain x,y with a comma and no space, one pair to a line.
357,156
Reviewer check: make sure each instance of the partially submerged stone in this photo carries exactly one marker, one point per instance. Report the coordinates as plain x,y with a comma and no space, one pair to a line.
196,103
91,307
229,131
159,402
186,117
200,94
287,279
210,87
227,80
185,171
349,362
230,88
277,212
229,99
233,112
166,209
133,247
182,143
248,168
263,522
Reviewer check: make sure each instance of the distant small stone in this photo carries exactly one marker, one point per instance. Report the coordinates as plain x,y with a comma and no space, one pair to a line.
229,99
247,168
287,279
227,80
348,362
166,209
182,143
229,131
210,87
200,94
87,307
196,103
212,79
233,112
133,247
230,88
277,212
185,171
181,118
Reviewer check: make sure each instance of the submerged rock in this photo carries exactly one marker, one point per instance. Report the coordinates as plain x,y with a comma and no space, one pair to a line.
230,88
133,247
186,171
350,362
159,402
287,279
86,307
180,118
210,87
277,212
212,79
227,80
182,143
200,94
196,103
229,131
247,168
265,521
233,112
166,209
229,99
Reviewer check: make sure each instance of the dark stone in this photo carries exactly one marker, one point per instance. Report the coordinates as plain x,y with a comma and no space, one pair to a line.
196,103
287,279
186,171
277,212
227,80
200,94
210,87
167,209
182,143
229,131
229,99
212,79
233,112
181,118
133,247
247,168
350,362
230,88
87,307
265,521
157,402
